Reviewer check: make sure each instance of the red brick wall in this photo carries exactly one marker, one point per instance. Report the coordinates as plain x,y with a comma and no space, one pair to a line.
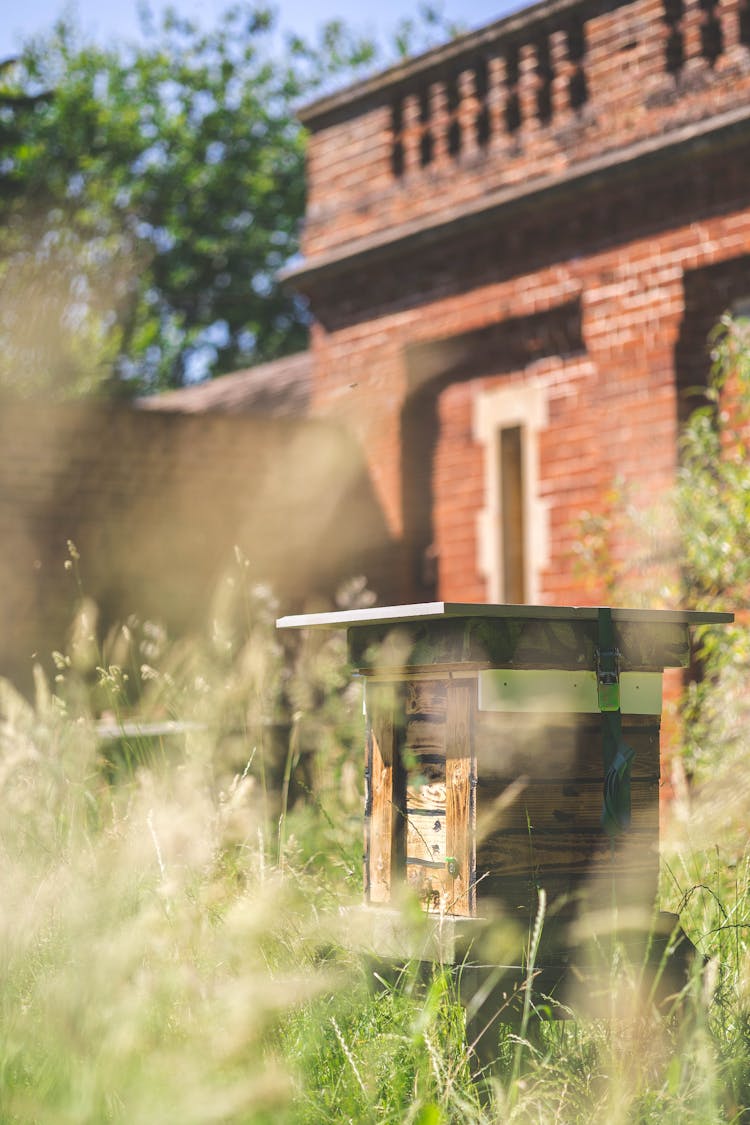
459,489
610,185
613,409
440,302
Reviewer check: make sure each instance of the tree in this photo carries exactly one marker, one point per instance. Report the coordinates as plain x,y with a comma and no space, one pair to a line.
150,194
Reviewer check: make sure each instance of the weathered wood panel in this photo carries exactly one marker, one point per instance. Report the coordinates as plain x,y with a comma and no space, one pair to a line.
425,827
538,854
424,760
431,883
557,746
633,888
424,799
424,740
459,772
380,813
534,804
539,801
425,737
427,698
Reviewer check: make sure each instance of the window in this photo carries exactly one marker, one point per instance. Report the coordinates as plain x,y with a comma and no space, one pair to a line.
511,525
513,536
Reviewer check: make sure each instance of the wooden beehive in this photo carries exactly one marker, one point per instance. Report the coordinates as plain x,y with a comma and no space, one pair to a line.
487,753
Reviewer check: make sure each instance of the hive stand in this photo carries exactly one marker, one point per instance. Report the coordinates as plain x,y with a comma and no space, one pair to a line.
513,749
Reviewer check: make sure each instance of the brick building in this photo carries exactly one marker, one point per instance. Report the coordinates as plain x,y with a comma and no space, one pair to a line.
515,247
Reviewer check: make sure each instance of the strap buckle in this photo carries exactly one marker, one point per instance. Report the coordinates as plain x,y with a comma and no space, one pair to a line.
608,679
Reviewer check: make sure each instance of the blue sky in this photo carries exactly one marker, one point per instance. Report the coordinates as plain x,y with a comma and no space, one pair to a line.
108,20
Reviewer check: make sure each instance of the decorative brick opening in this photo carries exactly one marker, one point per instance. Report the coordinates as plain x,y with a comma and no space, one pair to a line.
481,90
397,147
577,85
712,36
745,23
453,99
712,41
544,76
674,11
426,142
512,99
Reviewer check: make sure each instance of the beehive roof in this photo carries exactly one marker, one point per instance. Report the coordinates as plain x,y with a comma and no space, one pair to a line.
434,611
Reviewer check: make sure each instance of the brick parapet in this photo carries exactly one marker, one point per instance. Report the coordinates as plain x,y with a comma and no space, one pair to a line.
533,97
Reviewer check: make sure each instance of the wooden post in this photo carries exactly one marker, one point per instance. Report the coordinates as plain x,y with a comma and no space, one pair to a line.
382,816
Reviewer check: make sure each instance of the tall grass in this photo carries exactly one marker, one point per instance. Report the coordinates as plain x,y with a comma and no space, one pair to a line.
172,943
157,924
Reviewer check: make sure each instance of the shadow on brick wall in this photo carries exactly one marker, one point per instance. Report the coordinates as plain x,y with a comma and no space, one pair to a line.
156,503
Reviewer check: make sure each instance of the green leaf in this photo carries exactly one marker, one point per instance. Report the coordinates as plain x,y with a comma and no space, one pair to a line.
150,191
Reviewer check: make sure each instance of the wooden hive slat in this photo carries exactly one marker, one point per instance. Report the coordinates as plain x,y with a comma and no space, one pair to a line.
557,747
533,804
539,854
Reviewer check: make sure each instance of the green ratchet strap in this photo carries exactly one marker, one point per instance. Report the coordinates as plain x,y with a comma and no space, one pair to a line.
617,756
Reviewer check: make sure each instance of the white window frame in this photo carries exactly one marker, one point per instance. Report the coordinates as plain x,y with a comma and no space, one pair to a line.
495,410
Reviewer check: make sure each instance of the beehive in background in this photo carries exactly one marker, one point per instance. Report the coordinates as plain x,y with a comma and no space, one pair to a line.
491,766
